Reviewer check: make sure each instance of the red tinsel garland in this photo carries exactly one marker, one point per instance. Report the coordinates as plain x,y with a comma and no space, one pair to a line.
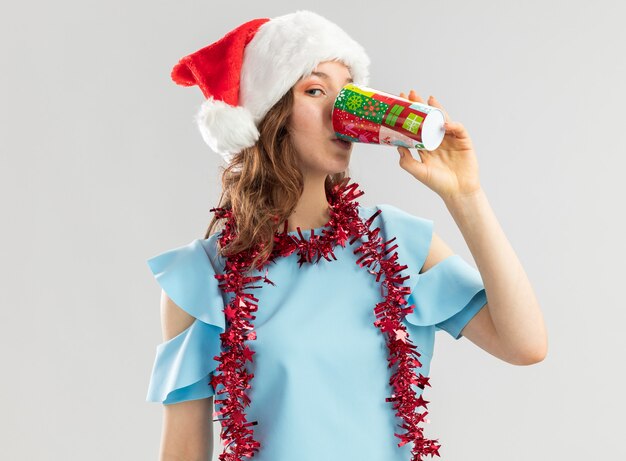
345,223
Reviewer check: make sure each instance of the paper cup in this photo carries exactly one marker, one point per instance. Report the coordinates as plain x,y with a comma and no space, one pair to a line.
367,115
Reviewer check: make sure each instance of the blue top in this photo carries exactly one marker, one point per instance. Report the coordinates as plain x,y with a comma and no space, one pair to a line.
320,365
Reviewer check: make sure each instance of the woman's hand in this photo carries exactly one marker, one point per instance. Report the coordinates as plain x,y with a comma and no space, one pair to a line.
451,170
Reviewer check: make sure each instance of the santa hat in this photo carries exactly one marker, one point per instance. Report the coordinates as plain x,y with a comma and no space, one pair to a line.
247,71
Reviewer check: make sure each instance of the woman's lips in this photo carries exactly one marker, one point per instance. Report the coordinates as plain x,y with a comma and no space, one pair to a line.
343,144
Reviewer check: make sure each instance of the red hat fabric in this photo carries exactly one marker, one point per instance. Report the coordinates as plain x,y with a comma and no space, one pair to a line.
246,72
216,68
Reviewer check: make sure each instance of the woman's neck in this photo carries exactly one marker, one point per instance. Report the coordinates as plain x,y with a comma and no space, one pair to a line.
312,210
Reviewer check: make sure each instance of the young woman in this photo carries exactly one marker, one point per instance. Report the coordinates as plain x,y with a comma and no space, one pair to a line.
308,317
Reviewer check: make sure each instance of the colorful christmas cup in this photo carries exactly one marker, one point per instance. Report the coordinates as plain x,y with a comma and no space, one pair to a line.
363,114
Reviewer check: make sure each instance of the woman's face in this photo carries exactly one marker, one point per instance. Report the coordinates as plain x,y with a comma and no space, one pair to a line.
311,125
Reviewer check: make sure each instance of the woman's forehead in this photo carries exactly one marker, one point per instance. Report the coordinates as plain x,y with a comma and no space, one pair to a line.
331,71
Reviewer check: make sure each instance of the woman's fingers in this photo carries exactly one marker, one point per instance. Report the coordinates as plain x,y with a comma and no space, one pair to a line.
413,96
432,101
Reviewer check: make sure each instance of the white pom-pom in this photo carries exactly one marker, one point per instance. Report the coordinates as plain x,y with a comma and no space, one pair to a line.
226,129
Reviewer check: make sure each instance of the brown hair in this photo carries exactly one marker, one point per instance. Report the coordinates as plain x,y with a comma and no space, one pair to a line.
262,185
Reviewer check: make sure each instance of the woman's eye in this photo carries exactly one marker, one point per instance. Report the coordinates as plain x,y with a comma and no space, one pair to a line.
314,89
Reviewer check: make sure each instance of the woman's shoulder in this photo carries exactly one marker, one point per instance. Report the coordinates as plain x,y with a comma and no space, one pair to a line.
211,248
199,253
392,215
411,233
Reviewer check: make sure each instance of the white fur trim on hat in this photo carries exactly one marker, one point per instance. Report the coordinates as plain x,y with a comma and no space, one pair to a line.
225,128
288,47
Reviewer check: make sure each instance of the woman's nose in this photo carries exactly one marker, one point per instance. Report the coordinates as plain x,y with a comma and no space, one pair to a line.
330,104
